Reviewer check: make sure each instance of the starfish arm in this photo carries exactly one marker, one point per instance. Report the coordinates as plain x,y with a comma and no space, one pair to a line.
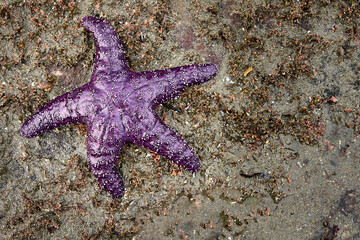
67,108
166,84
106,173
110,53
162,140
104,142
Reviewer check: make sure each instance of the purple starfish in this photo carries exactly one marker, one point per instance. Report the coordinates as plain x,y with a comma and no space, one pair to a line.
118,106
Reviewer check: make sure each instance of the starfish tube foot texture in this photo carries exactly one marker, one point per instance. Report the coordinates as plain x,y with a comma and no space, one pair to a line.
118,106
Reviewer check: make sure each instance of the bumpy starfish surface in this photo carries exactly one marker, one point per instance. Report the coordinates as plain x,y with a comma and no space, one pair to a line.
117,105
